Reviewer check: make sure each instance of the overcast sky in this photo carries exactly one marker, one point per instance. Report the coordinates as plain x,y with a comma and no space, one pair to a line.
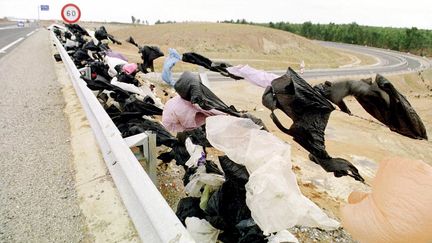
393,13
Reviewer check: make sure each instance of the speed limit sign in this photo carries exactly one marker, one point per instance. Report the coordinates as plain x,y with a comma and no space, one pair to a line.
70,13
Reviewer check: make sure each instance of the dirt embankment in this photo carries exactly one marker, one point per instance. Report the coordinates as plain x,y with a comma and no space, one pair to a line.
260,47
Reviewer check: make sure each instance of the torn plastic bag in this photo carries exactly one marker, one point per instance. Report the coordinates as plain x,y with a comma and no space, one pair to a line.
381,100
143,91
133,104
76,29
244,142
189,207
283,236
112,62
275,200
148,55
190,88
130,68
118,94
399,207
180,153
197,136
201,230
115,54
258,77
207,192
398,115
128,87
181,115
197,154
203,61
249,232
273,195
126,78
100,68
101,34
211,167
234,171
132,123
309,111
227,206
200,179
170,61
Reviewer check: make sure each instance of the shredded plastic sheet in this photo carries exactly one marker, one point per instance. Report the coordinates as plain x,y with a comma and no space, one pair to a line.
272,193
201,230
399,207
258,77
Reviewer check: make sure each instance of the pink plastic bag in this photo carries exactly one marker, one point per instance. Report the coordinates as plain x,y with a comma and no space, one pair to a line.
399,209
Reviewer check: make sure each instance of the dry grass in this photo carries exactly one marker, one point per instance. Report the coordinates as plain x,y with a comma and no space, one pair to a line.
257,46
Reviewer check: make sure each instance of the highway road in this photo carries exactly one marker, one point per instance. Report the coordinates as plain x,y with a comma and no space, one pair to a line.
11,36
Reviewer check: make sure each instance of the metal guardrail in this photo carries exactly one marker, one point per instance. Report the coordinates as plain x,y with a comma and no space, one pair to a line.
154,220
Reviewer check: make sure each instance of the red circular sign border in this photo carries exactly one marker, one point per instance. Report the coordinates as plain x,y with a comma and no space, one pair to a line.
71,5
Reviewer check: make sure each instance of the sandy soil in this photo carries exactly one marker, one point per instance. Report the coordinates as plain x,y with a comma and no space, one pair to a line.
260,47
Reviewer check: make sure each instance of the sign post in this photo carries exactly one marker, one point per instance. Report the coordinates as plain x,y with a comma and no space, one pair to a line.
70,13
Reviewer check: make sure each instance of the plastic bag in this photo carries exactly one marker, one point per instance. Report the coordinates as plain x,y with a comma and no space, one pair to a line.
272,193
399,207
276,203
201,178
282,237
196,153
201,230
244,142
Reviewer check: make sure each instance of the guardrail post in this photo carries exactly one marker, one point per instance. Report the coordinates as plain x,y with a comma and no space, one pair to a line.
150,154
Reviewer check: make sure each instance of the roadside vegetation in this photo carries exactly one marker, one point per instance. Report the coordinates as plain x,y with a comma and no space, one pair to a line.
413,40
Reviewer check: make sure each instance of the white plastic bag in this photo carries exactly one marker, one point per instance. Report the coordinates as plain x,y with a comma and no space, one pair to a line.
276,202
112,62
272,193
282,237
201,178
201,230
195,152
243,141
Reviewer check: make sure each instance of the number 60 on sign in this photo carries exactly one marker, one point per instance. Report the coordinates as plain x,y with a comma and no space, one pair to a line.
70,13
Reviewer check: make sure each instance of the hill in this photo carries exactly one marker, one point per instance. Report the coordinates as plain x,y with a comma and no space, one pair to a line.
237,44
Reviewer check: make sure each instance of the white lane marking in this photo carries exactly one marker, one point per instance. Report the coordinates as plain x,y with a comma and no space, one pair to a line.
9,27
11,44
29,34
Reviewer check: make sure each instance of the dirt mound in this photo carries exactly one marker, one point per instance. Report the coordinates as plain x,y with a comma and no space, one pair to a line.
258,46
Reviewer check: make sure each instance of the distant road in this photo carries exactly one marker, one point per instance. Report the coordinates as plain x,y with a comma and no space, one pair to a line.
388,62
11,36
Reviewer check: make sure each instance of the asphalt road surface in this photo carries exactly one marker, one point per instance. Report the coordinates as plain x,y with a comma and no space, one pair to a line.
11,36
38,201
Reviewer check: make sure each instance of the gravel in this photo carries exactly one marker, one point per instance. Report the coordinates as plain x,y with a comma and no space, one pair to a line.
38,202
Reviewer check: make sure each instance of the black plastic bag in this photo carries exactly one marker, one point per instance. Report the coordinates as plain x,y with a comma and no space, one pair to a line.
309,111
189,207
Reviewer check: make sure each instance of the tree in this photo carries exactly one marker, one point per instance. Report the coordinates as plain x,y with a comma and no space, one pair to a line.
133,19
138,21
